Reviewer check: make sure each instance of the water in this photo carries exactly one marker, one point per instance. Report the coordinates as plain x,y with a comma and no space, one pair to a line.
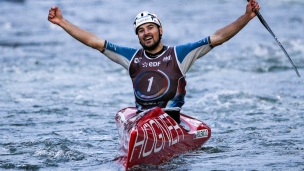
58,98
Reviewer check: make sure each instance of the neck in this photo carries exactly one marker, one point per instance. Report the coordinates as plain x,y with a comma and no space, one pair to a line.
156,54
156,50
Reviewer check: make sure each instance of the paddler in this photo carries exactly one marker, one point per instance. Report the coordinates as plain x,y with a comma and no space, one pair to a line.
156,70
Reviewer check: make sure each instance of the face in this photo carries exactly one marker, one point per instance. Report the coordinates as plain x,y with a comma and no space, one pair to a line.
149,35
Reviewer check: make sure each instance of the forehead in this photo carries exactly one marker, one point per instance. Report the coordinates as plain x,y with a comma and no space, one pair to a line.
146,25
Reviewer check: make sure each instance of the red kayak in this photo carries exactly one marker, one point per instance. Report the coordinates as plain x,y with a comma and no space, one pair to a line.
153,137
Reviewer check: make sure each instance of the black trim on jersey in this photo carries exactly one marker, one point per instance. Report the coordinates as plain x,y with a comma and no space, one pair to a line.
104,46
210,42
150,55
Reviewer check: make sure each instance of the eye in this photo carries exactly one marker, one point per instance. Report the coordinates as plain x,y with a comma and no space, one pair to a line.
140,30
150,27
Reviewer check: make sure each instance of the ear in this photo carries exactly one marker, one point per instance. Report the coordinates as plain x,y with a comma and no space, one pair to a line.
161,30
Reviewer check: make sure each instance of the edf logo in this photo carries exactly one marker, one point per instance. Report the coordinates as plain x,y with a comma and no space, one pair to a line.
154,64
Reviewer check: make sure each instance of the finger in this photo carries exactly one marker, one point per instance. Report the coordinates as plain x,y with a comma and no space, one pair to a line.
256,7
51,13
54,8
254,4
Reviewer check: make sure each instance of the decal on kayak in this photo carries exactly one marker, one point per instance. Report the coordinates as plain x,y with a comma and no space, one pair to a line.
201,133
153,85
163,131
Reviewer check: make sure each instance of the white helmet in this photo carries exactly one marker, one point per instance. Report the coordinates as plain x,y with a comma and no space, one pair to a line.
145,17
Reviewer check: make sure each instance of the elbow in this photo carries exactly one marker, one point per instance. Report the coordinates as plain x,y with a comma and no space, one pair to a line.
216,40
216,44
96,44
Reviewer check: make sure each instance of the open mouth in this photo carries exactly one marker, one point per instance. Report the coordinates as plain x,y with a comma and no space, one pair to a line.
148,38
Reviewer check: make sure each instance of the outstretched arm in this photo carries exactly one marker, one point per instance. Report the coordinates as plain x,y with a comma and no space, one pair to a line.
85,37
224,34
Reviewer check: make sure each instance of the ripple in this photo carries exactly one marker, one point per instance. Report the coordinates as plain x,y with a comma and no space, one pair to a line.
19,166
212,150
57,150
24,44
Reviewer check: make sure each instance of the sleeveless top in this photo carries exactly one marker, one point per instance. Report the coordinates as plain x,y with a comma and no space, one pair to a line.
157,81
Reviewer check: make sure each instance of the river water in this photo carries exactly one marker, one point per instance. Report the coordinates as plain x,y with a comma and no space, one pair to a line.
58,98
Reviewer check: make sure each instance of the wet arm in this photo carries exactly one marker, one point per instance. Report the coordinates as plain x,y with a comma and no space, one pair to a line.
85,37
224,34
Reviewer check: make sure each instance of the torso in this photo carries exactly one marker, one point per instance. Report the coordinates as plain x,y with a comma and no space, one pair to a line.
157,81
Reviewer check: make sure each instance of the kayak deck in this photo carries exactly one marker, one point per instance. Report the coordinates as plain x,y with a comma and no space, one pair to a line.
153,137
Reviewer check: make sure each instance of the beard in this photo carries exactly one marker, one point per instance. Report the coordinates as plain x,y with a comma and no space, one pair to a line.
152,47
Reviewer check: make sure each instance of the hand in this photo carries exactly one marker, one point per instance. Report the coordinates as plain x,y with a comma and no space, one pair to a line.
55,15
252,7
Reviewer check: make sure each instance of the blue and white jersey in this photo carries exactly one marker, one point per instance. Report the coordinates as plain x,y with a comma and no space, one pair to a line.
158,81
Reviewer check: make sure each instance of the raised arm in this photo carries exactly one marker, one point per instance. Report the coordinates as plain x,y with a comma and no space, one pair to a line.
85,37
224,34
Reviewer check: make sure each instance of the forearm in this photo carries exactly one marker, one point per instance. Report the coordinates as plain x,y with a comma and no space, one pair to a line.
83,36
224,34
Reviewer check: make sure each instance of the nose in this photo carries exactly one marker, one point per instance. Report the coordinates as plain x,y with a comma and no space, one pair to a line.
146,31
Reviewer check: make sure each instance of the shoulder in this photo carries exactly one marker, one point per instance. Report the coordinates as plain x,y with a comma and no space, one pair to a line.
125,51
192,45
183,50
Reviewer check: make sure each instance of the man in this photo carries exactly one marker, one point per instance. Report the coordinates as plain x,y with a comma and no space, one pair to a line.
157,71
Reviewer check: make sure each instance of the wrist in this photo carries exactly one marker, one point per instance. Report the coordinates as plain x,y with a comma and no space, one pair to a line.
248,16
62,22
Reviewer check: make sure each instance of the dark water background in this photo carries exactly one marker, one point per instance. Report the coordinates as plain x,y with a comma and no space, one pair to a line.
58,98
